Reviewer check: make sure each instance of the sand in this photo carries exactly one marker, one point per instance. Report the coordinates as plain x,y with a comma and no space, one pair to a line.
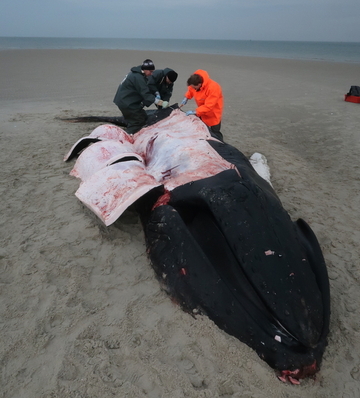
82,314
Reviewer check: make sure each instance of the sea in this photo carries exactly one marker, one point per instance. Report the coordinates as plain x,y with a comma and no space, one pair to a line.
348,52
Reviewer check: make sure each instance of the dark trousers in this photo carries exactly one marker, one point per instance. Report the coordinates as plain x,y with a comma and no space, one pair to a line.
135,118
215,131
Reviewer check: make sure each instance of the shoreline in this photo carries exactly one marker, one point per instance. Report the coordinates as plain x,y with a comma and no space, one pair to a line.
278,49
82,312
186,53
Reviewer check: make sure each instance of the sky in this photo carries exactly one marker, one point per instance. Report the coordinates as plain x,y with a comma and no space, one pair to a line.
299,20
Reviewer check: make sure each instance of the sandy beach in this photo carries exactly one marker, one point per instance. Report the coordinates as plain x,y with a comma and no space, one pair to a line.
82,314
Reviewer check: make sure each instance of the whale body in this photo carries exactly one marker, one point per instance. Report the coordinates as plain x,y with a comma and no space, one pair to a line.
217,234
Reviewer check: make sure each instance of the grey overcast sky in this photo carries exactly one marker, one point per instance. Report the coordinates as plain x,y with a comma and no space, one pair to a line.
314,20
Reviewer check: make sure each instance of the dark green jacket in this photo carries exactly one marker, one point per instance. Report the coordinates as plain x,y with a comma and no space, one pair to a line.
158,83
133,92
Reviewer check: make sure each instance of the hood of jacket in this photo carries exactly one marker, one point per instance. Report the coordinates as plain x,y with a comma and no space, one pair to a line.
159,76
137,69
204,75
167,70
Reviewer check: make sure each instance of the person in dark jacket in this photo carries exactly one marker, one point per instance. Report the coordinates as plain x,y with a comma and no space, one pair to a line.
161,83
133,94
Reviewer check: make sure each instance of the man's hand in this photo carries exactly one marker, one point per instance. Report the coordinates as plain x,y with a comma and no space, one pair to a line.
183,102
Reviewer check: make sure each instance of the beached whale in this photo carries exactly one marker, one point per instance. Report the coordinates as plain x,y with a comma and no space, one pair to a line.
217,234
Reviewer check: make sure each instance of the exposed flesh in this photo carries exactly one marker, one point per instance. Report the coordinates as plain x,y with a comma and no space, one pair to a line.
172,152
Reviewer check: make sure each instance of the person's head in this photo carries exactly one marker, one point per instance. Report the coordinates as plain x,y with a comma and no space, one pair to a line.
171,77
148,67
195,81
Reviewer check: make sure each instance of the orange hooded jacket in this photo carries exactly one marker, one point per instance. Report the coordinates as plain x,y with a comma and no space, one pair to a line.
209,99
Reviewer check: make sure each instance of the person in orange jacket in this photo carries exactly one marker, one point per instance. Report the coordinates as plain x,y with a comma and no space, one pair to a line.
209,99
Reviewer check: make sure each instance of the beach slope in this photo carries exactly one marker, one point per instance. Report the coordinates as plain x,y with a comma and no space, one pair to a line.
82,314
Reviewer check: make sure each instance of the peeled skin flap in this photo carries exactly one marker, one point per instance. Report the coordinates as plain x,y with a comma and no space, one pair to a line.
110,191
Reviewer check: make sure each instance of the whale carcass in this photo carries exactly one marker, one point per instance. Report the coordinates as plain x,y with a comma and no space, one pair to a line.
217,234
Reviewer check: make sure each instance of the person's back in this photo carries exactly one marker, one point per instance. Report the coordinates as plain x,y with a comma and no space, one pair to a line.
133,94
162,82
134,91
